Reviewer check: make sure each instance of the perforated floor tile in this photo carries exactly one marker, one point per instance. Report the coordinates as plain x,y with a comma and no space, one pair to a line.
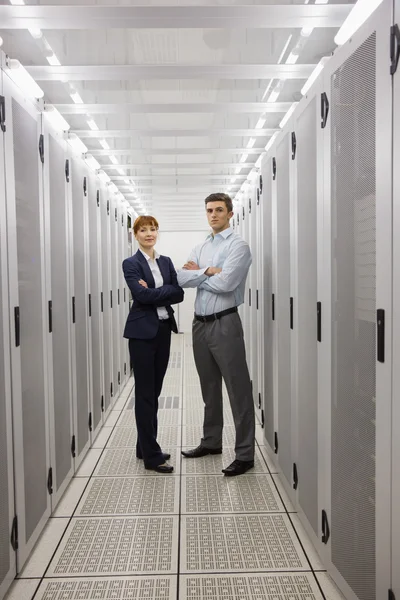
246,494
117,546
123,462
130,496
125,437
240,543
192,435
167,417
249,587
123,588
214,463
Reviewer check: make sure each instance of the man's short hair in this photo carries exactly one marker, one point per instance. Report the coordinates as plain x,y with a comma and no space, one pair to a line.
220,197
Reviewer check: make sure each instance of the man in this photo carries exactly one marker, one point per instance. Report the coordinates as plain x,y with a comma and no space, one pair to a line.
218,268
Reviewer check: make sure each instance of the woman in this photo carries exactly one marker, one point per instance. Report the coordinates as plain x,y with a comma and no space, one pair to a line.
153,283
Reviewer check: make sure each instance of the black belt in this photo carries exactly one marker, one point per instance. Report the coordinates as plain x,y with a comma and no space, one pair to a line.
215,316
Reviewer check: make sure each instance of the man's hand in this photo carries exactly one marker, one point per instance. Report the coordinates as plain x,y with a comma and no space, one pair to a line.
191,266
143,283
212,271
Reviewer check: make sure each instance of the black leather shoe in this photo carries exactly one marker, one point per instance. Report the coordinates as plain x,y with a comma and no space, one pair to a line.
166,456
200,451
161,469
238,467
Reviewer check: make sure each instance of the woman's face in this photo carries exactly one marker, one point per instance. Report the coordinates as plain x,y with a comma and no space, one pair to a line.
147,236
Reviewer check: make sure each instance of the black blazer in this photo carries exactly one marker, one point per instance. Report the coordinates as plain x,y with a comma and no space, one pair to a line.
143,322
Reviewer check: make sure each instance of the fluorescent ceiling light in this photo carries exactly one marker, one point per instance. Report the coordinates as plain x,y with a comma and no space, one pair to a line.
292,58
243,158
321,1
121,171
92,124
103,176
113,159
36,33
113,188
237,170
288,115
233,179
92,162
280,59
259,161
77,143
314,75
55,118
127,180
53,60
76,98
21,77
260,123
271,141
17,2
251,142
358,15
306,31
104,144
274,94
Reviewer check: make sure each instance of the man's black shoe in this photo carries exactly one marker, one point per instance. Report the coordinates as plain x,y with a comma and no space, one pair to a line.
166,456
200,451
238,467
161,468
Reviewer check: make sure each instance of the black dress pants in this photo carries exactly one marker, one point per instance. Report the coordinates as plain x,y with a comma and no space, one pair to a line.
149,359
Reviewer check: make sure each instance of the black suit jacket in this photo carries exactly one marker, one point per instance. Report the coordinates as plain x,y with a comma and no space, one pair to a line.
143,322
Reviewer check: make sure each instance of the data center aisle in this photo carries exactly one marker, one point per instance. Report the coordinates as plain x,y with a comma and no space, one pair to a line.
122,532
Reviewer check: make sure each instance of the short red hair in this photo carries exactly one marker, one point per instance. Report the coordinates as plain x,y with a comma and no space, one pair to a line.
144,221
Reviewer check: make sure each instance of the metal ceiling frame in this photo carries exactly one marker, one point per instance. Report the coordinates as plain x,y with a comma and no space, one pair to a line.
165,17
150,72
180,108
123,133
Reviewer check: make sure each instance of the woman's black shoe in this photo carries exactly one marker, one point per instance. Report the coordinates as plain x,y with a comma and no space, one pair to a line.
161,468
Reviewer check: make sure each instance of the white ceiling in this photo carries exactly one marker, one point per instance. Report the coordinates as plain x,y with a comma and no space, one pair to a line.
178,94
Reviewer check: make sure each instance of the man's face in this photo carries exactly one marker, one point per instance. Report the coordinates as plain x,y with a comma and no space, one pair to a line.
218,216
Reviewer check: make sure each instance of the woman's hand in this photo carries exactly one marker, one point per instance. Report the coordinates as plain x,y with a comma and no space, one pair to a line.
143,283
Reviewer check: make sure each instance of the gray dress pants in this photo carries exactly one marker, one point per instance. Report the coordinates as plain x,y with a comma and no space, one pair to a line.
219,352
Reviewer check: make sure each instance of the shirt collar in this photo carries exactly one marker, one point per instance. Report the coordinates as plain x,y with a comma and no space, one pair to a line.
147,257
225,234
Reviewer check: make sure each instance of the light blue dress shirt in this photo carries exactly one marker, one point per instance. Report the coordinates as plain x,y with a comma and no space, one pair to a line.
229,252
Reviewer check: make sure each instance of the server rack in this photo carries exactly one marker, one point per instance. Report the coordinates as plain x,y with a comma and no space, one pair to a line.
7,513
59,367
95,313
28,317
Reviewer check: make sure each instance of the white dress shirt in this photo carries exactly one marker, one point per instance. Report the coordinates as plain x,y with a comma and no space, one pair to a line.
231,253
158,280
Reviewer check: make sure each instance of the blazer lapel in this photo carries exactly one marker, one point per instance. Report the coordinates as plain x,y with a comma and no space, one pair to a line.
163,269
148,274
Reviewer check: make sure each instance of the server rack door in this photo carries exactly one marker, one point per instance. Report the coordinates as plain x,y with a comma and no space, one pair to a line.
283,306
246,304
359,95
28,316
114,287
7,555
253,362
267,339
79,181
106,285
95,300
396,332
259,298
307,132
59,309
123,307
